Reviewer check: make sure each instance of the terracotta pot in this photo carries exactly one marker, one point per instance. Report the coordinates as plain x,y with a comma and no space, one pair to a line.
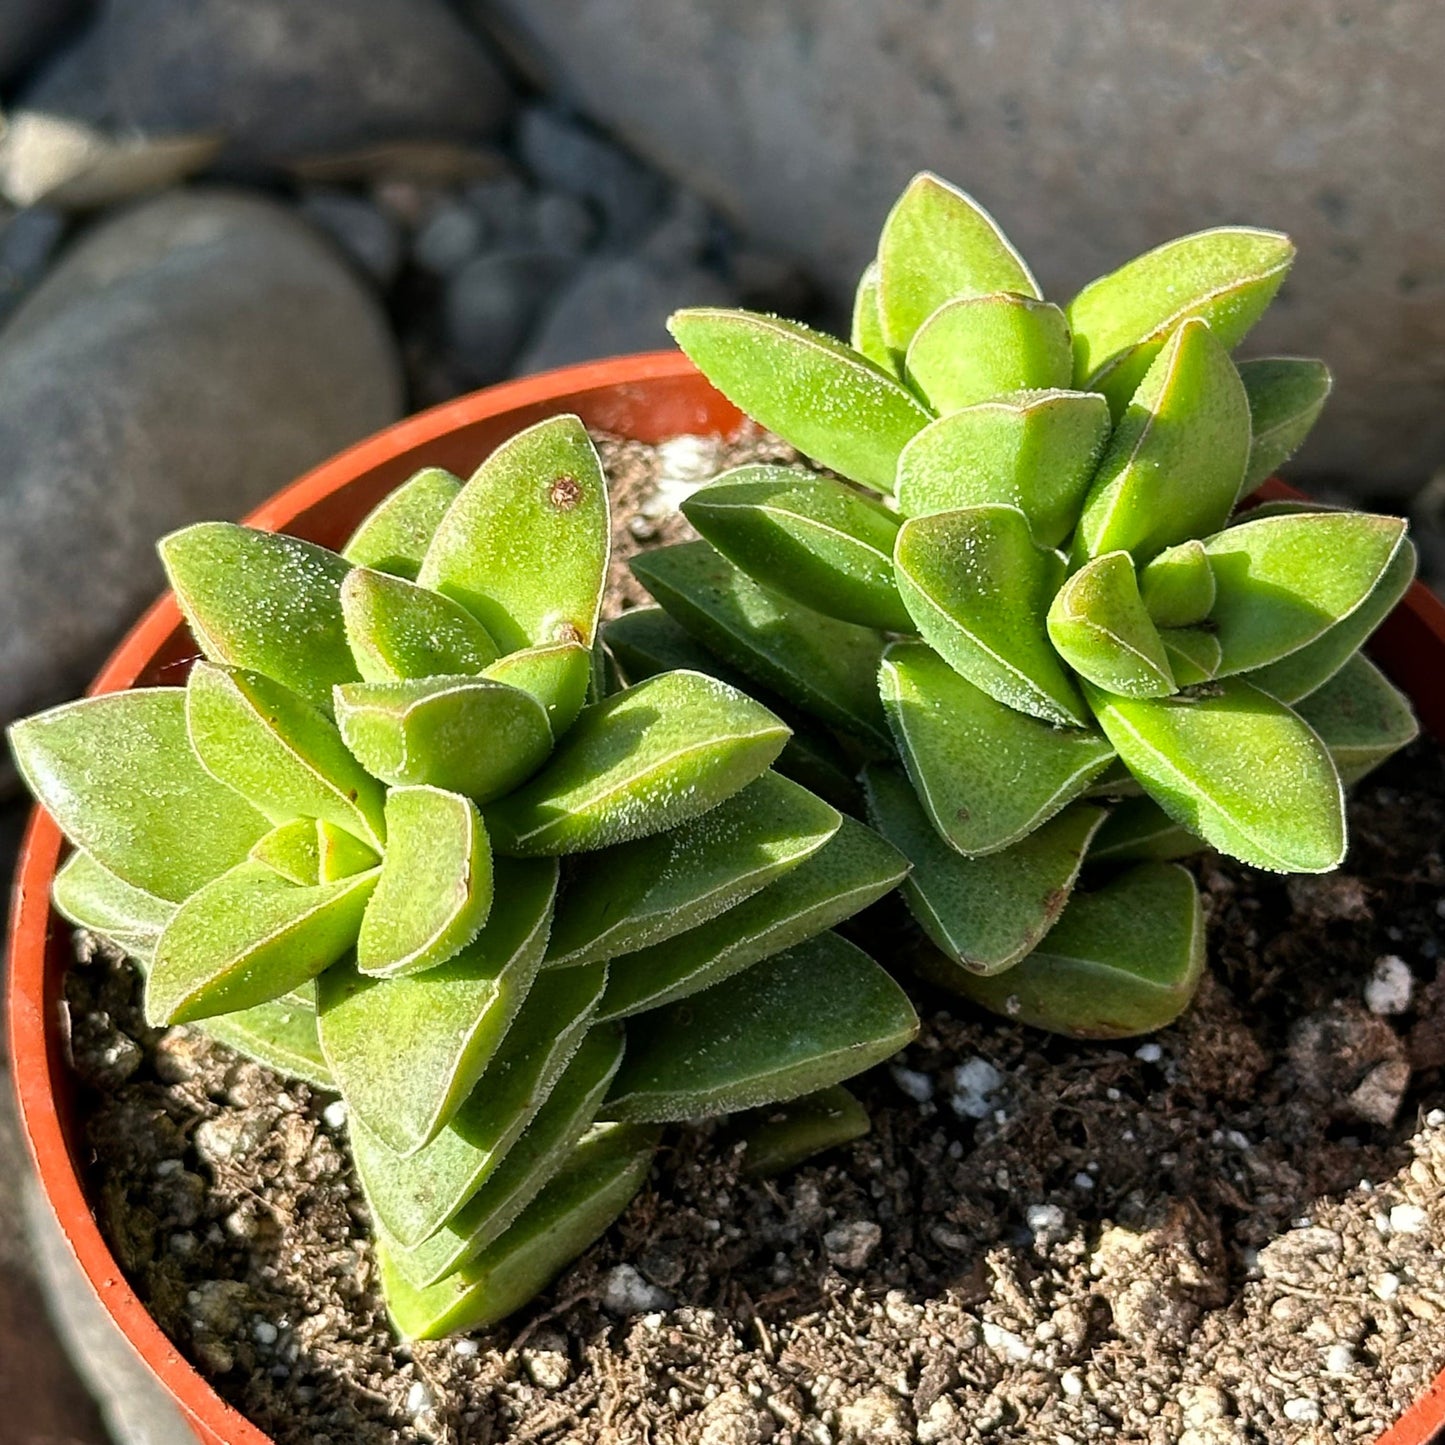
649,398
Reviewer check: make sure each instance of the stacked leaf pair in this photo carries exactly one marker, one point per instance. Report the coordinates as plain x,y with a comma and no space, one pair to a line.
1032,589
392,837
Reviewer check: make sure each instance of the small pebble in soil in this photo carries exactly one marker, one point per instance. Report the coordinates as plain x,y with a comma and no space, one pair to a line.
1149,1053
1391,986
628,1293
974,1085
918,1086
850,1246
1408,1219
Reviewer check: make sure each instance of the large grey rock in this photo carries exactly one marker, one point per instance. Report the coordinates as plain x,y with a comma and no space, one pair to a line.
1094,129
277,78
182,361
491,305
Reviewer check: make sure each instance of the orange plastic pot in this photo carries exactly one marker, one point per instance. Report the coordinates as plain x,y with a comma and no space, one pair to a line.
649,398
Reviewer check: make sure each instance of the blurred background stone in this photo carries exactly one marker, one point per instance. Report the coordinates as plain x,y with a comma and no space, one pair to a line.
28,28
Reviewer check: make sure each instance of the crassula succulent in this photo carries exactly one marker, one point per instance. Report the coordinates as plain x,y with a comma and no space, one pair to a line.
1028,595
397,837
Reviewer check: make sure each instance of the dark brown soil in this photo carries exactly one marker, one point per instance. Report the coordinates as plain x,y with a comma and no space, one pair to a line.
1233,1232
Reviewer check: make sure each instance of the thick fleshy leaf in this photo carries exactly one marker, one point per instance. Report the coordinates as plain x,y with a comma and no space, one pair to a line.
248,937
826,667
866,333
412,1196
543,1148
1282,582
984,913
1101,628
118,775
985,774
1124,960
1175,462
1178,585
1034,450
280,1035
556,674
263,601
657,755
853,869
781,1136
435,890
396,533
571,1213
339,854
979,589
1226,277
834,405
653,888
279,752
294,851
1286,395
1299,674
1236,767
1138,830
399,630
92,897
939,244
469,735
524,547
1194,654
407,1051
816,540
800,1021
1361,717
980,346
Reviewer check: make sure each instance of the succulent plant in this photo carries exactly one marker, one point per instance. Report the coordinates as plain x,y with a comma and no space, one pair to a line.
1018,579
392,837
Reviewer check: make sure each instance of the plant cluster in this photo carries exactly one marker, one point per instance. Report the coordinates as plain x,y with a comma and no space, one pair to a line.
1028,592
396,837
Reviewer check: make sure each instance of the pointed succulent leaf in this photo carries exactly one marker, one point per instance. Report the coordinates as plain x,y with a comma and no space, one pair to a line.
92,897
1175,462
781,1136
118,775
980,346
1178,586
836,406
802,1020
810,538
248,937
866,334
1236,767
653,888
1194,654
1116,781
984,913
1225,277
524,547
1101,628
265,602
1361,717
399,630
557,674
572,1212
1138,830
280,1035
339,854
979,589
407,1051
435,889
985,774
826,667
853,869
542,1150
1283,582
412,1196
1123,960
1034,450
659,754
939,244
427,731
1286,395
294,851
279,752
1302,672
395,534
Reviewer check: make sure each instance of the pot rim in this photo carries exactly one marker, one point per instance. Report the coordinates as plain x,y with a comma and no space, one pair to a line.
35,1050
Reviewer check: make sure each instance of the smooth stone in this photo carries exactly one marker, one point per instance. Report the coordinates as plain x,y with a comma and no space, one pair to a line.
182,361
491,305
28,28
1092,131
278,79
363,231
28,239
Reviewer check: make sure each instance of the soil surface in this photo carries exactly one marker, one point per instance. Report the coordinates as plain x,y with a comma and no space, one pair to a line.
1231,1232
